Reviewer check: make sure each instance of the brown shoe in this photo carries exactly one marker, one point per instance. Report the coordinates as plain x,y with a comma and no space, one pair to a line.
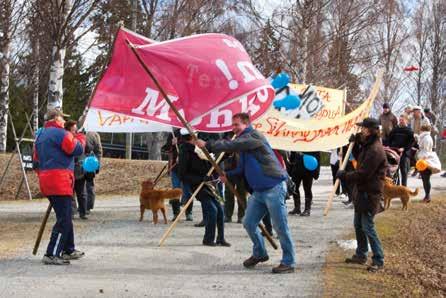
252,261
283,269
374,268
356,260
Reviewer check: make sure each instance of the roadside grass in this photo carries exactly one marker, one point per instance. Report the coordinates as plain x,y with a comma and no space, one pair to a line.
414,244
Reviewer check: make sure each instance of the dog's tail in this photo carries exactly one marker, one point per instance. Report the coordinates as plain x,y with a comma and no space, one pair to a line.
414,193
173,194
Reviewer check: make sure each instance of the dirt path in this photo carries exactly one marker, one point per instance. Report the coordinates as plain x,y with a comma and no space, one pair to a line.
123,259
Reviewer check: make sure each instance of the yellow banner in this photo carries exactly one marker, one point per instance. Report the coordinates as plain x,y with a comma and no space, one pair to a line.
315,134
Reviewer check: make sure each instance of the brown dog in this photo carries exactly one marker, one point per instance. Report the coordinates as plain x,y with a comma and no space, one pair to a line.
153,199
392,191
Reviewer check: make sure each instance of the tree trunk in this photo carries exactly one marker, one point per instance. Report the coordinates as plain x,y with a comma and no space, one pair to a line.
154,144
4,90
55,88
35,84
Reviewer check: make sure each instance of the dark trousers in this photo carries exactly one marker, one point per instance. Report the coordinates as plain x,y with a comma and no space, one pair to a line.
79,188
267,223
213,217
62,235
307,182
404,169
334,171
91,196
230,200
365,232
426,177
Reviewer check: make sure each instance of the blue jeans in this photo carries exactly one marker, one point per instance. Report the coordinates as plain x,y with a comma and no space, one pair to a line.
187,193
213,217
365,233
62,236
273,202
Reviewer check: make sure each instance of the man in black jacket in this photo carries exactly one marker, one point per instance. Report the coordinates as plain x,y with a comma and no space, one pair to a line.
193,170
367,182
402,139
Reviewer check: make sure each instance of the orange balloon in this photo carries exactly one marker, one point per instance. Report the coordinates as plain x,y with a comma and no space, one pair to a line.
421,165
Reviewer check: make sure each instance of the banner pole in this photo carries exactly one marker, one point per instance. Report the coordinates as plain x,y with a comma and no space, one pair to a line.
192,133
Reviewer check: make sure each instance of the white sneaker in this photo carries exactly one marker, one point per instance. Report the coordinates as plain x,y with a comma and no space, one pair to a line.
53,260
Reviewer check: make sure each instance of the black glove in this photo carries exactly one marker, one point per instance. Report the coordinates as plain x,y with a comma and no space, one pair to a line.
354,138
97,171
341,174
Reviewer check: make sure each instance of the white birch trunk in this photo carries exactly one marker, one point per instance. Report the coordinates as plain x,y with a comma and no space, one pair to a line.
55,86
4,90
35,115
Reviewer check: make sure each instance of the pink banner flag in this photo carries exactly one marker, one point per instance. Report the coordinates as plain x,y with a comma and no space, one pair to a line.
209,78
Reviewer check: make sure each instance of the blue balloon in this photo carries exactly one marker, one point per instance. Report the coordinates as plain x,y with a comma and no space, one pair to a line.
289,102
91,164
281,80
38,131
310,162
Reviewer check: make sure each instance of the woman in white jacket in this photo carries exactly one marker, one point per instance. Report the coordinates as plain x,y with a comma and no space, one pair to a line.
425,152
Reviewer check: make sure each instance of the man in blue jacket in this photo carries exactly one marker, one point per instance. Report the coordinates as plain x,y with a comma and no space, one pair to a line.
54,153
267,179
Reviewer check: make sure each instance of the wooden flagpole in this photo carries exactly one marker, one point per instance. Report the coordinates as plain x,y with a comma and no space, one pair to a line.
192,133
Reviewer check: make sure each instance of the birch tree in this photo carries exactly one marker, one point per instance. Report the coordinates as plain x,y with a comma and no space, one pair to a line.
11,14
62,18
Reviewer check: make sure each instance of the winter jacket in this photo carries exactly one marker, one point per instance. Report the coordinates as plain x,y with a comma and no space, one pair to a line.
258,163
93,144
425,152
54,152
192,169
416,124
297,168
367,181
388,122
401,137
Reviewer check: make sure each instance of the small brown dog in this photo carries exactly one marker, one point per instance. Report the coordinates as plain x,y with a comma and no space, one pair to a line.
153,199
392,191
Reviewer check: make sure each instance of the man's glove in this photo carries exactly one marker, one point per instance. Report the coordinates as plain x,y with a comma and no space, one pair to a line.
341,174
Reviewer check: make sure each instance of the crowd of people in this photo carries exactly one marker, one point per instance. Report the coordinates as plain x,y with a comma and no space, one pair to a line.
263,178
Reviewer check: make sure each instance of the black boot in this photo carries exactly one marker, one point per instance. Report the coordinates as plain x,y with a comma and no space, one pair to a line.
307,210
296,210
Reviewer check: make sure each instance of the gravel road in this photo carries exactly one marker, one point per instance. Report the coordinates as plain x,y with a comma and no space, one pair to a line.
123,258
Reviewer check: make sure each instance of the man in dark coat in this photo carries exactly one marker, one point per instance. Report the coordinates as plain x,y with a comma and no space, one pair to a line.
402,139
193,170
299,174
387,120
367,182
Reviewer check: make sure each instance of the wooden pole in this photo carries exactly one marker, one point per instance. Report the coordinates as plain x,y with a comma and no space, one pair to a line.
192,133
42,228
159,175
336,185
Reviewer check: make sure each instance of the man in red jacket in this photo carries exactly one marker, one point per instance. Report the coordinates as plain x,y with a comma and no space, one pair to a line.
54,152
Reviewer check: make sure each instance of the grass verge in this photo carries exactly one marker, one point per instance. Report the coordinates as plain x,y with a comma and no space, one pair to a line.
415,264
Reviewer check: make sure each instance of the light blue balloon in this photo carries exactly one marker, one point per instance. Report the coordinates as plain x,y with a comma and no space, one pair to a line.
38,131
310,162
281,80
91,164
289,102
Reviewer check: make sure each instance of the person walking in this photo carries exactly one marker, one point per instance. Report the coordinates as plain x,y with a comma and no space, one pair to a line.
79,177
387,120
301,175
431,159
93,146
367,182
265,176
193,170
170,148
402,139
54,151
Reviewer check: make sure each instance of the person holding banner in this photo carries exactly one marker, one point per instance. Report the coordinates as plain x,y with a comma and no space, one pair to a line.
367,181
192,169
265,176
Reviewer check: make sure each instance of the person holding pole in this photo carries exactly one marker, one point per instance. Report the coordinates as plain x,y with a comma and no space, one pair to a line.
264,175
193,170
54,153
367,183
